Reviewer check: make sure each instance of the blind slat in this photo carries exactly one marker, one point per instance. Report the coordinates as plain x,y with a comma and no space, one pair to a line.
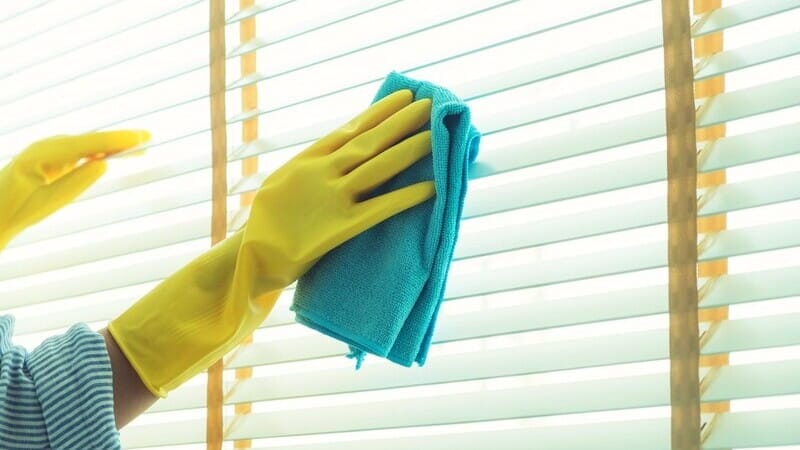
136,273
754,429
751,55
256,9
754,333
134,209
749,102
752,287
754,380
24,9
750,147
754,193
650,434
112,306
134,240
731,16
635,434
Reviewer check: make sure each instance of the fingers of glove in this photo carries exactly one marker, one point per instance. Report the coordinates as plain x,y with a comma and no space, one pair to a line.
49,198
386,165
388,133
368,119
66,149
375,210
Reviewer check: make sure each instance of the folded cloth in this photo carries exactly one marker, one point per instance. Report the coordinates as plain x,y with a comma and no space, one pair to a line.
380,292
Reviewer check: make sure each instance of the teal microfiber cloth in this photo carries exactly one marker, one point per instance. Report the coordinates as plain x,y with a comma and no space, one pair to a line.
380,292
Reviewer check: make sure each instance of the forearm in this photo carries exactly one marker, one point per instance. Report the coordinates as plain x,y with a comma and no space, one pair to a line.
131,397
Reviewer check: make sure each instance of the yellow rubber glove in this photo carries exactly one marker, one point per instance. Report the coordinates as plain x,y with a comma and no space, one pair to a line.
49,174
306,208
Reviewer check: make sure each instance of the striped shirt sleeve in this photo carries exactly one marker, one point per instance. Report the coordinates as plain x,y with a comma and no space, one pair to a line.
58,396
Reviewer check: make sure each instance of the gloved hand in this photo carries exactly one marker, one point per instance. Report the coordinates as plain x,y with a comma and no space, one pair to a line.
307,207
49,174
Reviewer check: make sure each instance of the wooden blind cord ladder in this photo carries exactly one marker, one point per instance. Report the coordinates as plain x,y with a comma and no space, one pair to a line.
219,162
249,95
705,47
682,226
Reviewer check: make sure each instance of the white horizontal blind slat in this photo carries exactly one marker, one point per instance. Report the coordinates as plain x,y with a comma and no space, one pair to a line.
179,197
754,380
258,8
751,55
649,434
135,240
156,268
738,14
10,13
754,428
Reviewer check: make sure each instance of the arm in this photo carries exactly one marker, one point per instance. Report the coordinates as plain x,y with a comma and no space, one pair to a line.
131,397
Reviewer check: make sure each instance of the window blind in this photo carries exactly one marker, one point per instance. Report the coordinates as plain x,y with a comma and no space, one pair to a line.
554,330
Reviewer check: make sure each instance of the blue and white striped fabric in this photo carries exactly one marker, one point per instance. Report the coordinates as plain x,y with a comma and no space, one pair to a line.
59,396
